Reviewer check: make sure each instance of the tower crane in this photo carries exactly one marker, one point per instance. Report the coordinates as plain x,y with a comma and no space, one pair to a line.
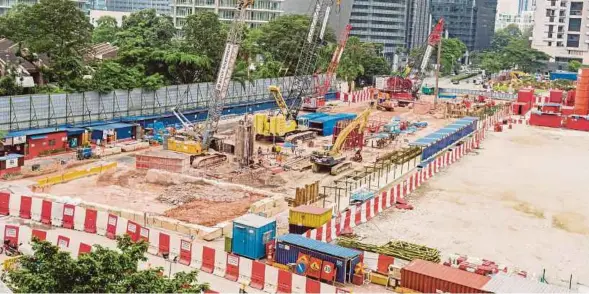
204,137
285,122
313,103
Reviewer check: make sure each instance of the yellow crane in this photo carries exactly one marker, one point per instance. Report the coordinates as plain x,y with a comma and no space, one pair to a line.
287,122
279,125
331,159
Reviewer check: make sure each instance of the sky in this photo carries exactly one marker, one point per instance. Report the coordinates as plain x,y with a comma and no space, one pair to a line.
507,6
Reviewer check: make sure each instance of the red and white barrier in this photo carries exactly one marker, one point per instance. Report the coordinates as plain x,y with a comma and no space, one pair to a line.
256,274
356,96
389,197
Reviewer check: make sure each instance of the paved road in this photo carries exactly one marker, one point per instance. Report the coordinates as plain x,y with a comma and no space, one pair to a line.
445,82
216,283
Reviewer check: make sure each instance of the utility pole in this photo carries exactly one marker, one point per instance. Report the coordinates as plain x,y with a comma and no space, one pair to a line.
437,89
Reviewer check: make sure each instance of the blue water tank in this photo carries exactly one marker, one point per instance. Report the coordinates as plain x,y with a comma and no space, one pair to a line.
251,232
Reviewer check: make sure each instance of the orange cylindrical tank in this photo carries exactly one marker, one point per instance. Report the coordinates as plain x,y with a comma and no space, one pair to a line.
582,95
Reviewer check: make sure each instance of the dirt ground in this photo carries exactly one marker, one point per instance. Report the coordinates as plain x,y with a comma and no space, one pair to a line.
152,191
520,201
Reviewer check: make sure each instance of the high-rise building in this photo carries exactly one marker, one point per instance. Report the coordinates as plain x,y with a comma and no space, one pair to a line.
471,21
561,30
338,19
525,5
160,6
393,23
261,12
524,21
5,5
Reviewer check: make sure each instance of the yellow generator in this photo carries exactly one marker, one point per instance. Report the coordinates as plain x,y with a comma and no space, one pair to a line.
273,125
184,145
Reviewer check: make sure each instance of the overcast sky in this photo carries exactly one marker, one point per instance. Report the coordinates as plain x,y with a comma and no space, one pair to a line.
507,6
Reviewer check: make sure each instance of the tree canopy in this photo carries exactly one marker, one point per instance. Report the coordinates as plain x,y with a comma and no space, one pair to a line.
511,48
151,53
50,270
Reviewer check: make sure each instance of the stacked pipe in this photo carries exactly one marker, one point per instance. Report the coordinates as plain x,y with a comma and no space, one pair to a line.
582,96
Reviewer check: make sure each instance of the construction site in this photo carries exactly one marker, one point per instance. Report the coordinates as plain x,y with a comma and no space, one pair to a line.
313,189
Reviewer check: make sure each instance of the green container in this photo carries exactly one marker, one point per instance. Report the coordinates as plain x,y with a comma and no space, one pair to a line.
228,244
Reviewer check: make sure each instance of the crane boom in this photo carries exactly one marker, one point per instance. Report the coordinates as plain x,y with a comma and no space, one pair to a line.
279,99
302,83
335,59
226,68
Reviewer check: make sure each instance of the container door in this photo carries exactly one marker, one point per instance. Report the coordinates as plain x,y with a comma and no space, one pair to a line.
252,244
238,242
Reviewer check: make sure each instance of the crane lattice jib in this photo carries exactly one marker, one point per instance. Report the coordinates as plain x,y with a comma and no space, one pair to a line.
279,99
335,59
302,82
225,72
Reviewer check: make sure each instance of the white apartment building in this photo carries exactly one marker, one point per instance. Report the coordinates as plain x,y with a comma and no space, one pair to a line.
561,29
523,21
5,5
261,12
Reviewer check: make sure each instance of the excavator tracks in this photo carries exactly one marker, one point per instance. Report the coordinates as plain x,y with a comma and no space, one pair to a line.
340,168
301,136
208,160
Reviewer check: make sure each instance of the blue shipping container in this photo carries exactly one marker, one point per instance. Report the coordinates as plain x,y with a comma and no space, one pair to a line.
250,234
327,123
344,259
571,76
435,142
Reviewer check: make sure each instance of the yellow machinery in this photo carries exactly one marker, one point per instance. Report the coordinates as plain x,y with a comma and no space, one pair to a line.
286,124
196,141
279,125
383,100
331,159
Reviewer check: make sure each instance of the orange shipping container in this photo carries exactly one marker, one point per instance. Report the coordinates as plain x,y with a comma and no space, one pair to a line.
429,277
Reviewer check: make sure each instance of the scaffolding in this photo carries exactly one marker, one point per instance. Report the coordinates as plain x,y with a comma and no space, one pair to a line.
72,109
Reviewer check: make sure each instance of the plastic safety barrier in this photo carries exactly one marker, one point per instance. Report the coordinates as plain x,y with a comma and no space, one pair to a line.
39,234
90,221
232,267
185,252
25,207
4,203
208,260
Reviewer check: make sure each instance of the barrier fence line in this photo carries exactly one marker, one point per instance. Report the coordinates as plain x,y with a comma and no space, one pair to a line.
229,266
76,174
258,275
395,195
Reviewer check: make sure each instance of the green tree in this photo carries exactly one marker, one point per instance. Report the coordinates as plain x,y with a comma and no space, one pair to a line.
182,67
574,65
452,50
204,35
503,37
56,28
283,37
491,64
50,270
106,30
146,29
